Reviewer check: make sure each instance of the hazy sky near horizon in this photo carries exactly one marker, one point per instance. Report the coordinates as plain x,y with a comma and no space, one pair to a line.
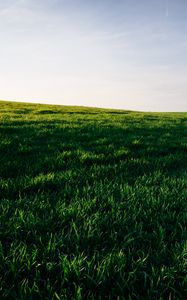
129,54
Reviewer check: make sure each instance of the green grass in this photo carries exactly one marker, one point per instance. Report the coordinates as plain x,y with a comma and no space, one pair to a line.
93,203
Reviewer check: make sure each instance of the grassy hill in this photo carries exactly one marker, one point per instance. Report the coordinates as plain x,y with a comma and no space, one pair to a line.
93,203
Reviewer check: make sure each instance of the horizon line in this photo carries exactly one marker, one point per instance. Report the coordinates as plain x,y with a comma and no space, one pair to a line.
37,102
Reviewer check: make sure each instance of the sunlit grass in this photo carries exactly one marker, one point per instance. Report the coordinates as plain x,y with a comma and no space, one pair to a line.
93,203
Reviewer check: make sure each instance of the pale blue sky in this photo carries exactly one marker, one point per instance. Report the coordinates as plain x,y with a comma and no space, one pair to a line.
129,54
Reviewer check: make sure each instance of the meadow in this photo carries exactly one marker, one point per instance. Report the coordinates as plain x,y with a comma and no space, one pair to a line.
93,203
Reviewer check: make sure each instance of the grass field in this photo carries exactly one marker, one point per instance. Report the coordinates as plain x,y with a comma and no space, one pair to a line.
93,203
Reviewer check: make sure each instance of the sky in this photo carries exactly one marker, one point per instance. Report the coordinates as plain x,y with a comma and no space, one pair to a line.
129,54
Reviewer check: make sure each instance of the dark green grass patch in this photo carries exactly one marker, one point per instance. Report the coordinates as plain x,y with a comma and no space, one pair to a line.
93,203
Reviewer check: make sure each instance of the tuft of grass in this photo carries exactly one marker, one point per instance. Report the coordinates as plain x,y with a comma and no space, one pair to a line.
93,203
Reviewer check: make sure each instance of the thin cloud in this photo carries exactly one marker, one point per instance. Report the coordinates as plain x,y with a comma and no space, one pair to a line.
167,8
